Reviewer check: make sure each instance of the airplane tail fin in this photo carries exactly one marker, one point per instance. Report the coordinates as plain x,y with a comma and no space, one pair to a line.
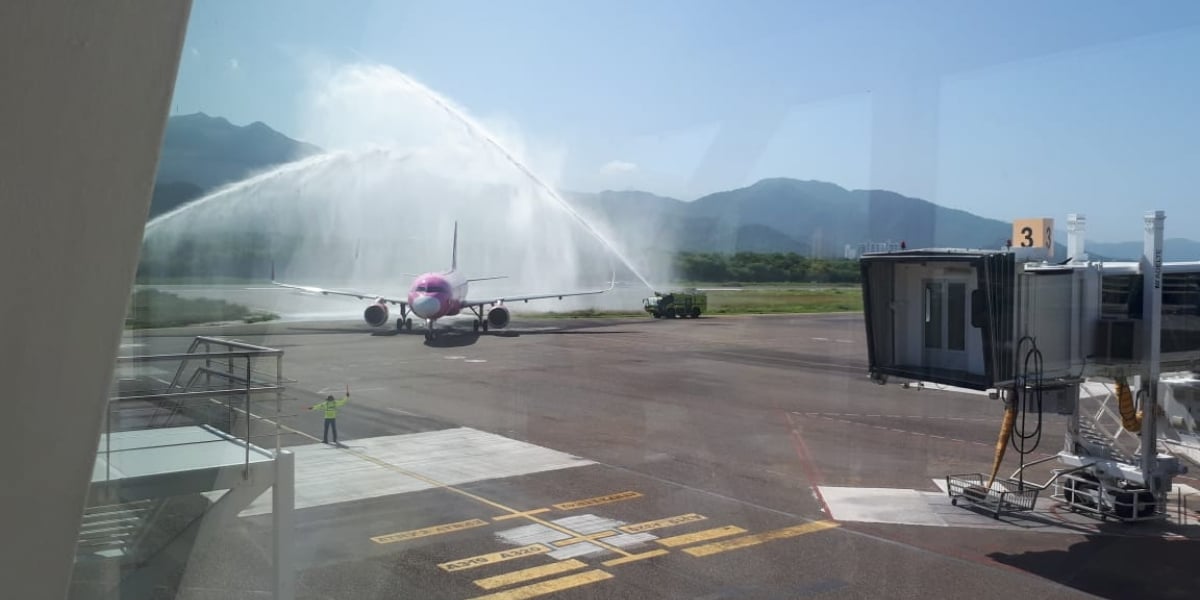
454,252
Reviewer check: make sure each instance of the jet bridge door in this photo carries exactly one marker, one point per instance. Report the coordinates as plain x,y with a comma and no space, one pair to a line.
944,334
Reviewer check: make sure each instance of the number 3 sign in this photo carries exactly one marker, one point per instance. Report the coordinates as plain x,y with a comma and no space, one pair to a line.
1034,233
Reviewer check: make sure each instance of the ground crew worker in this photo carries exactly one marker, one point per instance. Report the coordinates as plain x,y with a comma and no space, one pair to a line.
330,407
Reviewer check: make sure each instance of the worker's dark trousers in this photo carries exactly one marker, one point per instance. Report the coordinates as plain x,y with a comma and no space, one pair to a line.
330,424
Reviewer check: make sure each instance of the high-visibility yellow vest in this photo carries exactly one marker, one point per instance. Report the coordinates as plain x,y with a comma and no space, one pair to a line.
331,406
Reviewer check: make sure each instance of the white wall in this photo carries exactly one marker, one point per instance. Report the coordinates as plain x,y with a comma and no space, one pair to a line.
84,92
910,316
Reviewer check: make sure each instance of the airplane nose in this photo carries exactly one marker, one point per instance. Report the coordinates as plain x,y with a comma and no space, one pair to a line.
426,307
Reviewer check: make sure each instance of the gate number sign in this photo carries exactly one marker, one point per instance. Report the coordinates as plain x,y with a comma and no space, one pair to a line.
1034,233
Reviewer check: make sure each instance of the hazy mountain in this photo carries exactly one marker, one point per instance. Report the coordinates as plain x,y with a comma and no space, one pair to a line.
809,217
1174,249
170,195
777,215
200,153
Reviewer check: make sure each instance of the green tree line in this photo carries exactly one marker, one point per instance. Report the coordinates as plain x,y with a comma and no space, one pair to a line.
248,256
764,267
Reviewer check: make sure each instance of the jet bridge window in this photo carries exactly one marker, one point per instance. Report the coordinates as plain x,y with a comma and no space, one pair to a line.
945,315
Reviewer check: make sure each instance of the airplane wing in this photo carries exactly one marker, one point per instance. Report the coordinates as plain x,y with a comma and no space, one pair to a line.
500,299
350,293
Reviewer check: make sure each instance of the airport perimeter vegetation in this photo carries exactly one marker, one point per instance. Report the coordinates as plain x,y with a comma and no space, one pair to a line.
745,282
151,309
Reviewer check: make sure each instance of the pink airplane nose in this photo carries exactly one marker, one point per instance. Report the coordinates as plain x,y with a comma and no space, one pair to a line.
426,307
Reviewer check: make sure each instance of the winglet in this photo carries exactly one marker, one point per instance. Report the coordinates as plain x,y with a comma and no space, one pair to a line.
272,271
454,253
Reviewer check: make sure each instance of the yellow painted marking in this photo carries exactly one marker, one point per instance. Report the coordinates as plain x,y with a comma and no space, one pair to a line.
584,538
549,587
495,557
758,538
661,523
598,500
435,483
427,531
700,536
508,579
627,559
521,514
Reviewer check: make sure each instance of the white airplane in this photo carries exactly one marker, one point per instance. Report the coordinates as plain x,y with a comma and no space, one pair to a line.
435,295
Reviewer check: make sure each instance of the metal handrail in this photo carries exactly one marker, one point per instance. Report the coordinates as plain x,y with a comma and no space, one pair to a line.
237,380
186,355
198,393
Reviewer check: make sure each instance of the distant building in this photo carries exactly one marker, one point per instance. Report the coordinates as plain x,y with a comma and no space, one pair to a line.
866,247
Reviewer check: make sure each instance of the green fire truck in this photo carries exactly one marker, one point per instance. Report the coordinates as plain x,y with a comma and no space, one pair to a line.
686,303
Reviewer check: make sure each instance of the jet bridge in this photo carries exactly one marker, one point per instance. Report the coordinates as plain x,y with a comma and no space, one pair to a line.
178,460
1014,323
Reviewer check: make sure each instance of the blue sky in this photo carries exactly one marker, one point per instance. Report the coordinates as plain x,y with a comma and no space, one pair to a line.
1006,110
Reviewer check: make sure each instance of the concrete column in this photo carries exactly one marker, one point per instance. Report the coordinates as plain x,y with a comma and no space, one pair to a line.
283,505
84,94
1076,229
1151,268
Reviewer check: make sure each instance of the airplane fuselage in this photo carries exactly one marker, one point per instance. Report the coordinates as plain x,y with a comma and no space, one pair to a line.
436,295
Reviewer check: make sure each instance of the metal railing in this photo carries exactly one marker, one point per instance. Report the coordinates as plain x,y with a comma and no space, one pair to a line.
213,373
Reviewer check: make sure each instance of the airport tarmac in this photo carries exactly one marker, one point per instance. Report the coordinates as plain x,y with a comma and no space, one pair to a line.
732,457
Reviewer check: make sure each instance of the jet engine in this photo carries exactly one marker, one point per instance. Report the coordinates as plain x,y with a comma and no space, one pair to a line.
376,314
498,317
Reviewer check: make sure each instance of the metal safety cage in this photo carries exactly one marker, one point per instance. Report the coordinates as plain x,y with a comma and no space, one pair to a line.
1003,496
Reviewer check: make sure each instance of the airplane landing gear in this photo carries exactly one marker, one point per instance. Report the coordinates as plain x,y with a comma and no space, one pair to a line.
481,321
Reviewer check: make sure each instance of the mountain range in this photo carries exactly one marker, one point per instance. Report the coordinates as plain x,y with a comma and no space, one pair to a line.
201,153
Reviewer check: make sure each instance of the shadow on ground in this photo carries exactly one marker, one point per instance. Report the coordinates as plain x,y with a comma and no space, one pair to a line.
1113,565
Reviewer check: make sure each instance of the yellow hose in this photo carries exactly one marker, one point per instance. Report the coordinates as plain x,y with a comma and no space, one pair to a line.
1006,428
1130,420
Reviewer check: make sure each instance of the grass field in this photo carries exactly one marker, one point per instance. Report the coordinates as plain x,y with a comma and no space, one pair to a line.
768,299
152,308
785,300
